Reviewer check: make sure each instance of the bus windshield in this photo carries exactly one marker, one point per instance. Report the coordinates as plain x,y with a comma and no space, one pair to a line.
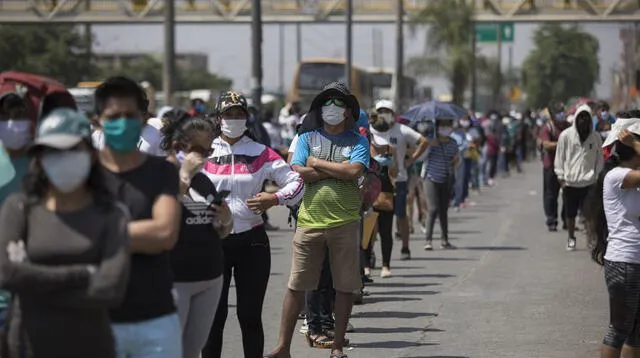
313,76
381,79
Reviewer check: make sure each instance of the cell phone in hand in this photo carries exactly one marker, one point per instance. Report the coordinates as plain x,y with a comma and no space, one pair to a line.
218,199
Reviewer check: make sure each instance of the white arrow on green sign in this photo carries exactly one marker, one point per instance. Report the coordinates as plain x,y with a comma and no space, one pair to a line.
488,32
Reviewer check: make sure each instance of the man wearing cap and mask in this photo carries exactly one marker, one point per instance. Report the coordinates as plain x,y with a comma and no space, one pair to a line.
577,163
403,139
551,186
331,158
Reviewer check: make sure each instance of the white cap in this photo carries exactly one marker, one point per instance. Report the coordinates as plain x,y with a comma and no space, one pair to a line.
384,103
630,124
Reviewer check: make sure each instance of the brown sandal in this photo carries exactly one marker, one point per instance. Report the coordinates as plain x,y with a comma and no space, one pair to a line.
321,341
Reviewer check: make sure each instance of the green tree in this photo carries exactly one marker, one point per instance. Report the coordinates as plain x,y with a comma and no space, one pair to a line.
57,51
564,64
449,37
149,68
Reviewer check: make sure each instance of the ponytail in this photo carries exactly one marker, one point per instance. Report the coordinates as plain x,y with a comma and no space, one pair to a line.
177,127
598,231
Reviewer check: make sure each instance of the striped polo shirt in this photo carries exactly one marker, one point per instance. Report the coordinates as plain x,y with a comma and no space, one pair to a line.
330,202
438,165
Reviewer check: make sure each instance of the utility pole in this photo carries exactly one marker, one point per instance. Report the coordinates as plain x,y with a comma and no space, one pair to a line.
281,61
256,59
399,72
474,70
168,73
498,96
298,43
88,36
349,42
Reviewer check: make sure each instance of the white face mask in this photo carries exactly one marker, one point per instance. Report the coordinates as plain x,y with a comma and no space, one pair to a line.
605,134
465,124
332,114
67,170
233,128
15,133
444,131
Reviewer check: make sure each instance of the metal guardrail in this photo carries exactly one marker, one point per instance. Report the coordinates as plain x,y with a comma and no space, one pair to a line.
229,11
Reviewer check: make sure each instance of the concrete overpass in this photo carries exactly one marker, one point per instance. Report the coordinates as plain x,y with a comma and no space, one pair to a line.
303,11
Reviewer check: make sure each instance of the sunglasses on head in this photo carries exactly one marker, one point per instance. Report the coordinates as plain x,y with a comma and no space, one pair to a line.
338,102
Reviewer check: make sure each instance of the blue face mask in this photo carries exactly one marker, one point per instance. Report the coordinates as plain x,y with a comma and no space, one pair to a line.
200,108
123,134
384,160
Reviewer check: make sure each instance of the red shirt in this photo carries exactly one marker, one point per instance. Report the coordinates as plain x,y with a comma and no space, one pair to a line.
550,133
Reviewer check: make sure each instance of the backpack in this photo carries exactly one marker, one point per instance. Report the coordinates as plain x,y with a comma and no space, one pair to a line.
41,94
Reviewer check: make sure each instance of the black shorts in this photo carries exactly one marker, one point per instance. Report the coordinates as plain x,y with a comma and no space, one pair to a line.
574,200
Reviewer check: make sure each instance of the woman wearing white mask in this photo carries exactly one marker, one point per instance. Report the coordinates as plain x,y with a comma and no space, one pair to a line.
16,133
63,248
240,165
440,158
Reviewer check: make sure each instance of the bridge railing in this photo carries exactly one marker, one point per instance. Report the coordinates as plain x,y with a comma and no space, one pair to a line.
286,6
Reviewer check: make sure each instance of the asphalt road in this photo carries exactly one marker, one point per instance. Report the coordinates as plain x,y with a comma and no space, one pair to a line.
510,290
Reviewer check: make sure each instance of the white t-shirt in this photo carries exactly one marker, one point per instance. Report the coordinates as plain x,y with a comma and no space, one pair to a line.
149,139
622,209
401,137
294,143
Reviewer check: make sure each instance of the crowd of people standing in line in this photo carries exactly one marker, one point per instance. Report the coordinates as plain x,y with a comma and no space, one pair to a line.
139,223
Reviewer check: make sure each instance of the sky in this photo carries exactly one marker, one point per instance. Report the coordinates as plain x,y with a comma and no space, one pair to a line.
229,48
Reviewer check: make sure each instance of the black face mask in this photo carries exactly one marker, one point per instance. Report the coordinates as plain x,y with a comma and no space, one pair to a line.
381,125
583,126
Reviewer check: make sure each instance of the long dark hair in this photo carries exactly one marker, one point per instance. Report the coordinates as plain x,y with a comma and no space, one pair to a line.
176,128
35,183
596,218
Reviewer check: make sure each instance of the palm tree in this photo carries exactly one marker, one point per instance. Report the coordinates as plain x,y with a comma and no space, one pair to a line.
449,37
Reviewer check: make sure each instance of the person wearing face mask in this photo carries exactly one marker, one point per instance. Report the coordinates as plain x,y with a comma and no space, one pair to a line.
65,254
437,172
146,324
331,159
548,138
240,165
409,145
196,260
577,163
16,134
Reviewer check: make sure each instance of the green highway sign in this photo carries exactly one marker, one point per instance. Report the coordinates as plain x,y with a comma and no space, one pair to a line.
488,32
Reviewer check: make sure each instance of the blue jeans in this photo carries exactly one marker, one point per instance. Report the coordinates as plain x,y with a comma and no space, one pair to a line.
155,338
463,176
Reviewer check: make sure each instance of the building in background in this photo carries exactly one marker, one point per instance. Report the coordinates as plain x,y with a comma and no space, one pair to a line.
624,91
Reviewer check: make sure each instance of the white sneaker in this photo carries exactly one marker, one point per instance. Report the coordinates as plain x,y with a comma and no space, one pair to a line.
571,244
385,272
304,328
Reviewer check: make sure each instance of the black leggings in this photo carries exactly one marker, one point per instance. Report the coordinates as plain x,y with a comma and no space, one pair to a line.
438,198
248,257
385,230
623,282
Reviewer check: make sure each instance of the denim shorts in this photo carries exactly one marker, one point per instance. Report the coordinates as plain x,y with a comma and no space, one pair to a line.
400,199
155,338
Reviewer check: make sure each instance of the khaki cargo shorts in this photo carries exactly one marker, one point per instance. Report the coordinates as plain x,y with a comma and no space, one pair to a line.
309,247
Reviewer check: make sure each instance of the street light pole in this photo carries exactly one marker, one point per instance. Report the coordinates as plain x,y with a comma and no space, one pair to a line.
349,42
256,59
399,71
168,68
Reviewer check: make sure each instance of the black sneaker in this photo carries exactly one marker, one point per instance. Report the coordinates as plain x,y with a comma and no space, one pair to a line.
405,255
447,246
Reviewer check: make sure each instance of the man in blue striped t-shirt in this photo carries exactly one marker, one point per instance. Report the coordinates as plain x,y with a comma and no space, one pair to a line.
440,158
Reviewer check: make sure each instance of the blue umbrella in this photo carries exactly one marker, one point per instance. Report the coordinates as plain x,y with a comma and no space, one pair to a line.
433,110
